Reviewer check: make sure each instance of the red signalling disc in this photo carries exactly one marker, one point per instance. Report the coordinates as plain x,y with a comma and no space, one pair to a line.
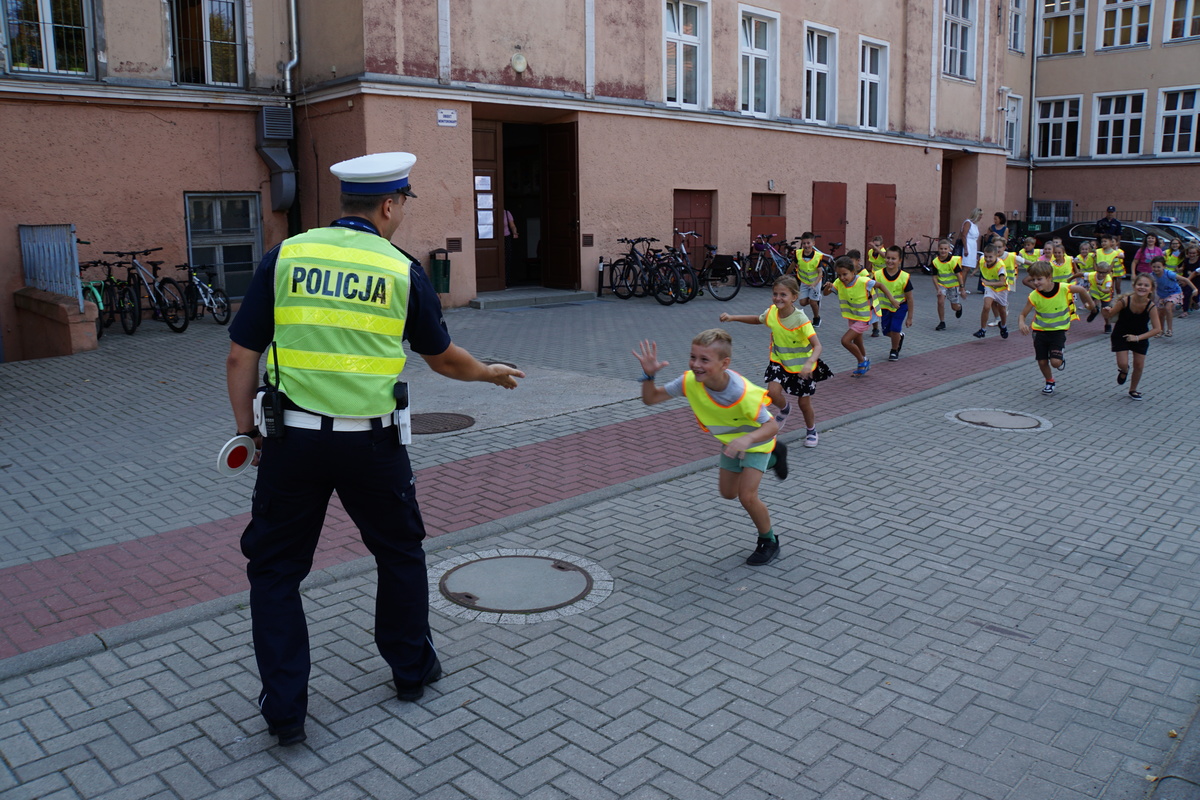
236,455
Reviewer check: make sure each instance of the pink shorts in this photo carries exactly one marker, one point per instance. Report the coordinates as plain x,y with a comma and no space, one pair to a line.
858,326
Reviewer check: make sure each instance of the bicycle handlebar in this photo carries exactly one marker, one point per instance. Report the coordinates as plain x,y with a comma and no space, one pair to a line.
131,252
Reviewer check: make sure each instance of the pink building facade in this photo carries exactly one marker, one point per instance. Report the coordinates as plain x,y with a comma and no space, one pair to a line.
587,121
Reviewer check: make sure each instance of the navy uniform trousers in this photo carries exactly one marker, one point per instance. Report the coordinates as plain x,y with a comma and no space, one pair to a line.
373,478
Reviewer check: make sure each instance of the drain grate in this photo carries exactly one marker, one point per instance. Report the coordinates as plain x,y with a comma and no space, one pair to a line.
439,422
517,587
998,419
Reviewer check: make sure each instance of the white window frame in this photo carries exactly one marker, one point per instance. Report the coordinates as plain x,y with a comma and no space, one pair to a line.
1035,151
681,40
220,238
1191,18
814,69
958,38
1075,12
1119,8
1125,121
1016,24
208,42
880,80
46,44
1014,124
1193,117
770,54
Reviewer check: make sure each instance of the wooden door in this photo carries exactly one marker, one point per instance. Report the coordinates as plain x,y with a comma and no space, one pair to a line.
693,212
766,216
829,215
881,214
487,148
560,238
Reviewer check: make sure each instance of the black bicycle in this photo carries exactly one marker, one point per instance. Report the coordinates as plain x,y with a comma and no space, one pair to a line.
720,275
200,295
922,259
164,296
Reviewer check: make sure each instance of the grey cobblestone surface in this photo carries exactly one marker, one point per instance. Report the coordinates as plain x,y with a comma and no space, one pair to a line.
956,614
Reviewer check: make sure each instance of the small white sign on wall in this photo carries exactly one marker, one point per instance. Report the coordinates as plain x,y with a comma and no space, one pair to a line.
447,117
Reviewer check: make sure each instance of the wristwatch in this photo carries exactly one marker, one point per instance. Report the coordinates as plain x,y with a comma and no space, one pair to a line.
253,433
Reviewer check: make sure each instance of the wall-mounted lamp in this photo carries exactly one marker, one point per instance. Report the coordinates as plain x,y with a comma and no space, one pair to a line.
519,64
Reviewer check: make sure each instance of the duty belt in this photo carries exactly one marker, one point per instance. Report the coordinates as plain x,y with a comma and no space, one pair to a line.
315,422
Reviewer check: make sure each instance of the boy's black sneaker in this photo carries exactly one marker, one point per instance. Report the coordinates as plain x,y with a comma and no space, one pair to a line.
1003,332
900,345
941,326
780,467
1048,388
288,736
1108,327
1092,315
817,321
766,552
958,312
875,332
979,334
893,355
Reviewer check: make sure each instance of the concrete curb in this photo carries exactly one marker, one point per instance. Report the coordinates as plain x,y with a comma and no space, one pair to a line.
92,644
1179,777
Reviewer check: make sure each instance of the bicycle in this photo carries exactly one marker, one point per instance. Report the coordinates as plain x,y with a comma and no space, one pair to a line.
923,259
199,295
94,291
164,295
645,272
766,262
721,275
119,299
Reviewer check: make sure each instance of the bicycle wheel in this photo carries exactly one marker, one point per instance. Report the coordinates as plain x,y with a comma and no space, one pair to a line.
668,284
109,295
191,299
638,279
689,282
723,282
754,271
616,279
171,306
769,269
92,295
127,307
220,306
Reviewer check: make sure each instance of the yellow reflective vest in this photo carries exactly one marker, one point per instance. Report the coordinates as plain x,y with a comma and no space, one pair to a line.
808,269
790,347
1100,289
1062,269
728,422
855,299
895,287
992,273
341,296
1116,258
1053,313
945,271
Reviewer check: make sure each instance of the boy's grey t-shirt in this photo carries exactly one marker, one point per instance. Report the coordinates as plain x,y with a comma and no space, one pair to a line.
732,393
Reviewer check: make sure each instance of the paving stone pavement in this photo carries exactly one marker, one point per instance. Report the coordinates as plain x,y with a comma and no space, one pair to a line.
957,613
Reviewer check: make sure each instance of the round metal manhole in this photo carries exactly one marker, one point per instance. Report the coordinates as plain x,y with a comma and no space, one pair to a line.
517,587
438,422
997,419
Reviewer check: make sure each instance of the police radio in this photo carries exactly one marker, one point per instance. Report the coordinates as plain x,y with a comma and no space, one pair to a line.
268,405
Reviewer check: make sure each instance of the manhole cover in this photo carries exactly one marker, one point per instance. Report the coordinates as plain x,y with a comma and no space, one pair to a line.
438,422
517,586
998,419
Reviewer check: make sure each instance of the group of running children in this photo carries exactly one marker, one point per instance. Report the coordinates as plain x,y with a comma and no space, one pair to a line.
736,411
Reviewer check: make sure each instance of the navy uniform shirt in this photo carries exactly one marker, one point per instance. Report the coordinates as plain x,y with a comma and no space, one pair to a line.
424,327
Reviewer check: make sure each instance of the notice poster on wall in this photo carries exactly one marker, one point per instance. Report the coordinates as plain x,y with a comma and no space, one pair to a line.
483,183
484,200
485,232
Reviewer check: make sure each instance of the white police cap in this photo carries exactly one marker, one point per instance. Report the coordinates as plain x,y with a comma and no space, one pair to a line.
378,173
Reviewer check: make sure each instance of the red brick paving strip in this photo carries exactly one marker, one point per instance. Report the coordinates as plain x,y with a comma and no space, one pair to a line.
56,599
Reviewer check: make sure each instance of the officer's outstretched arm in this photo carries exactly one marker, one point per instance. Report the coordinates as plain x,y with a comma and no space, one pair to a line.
455,362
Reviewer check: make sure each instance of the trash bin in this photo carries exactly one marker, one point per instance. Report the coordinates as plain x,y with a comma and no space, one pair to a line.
439,270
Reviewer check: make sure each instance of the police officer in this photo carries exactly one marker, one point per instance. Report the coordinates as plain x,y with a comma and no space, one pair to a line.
1109,225
332,305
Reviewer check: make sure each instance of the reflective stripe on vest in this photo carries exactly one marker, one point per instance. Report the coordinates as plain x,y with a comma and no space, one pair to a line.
945,271
790,347
855,299
341,296
1052,313
1100,290
895,287
809,269
728,422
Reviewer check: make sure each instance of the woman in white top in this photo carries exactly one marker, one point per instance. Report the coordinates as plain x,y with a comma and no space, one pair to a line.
969,234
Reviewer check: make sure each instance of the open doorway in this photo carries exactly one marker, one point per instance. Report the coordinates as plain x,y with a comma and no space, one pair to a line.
524,158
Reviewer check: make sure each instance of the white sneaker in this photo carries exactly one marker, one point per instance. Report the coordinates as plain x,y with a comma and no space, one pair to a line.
782,417
811,439
993,323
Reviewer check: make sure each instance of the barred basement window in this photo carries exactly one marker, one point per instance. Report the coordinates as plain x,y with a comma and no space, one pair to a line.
225,232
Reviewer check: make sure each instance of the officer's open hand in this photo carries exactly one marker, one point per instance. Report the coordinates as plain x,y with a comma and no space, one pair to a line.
503,375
